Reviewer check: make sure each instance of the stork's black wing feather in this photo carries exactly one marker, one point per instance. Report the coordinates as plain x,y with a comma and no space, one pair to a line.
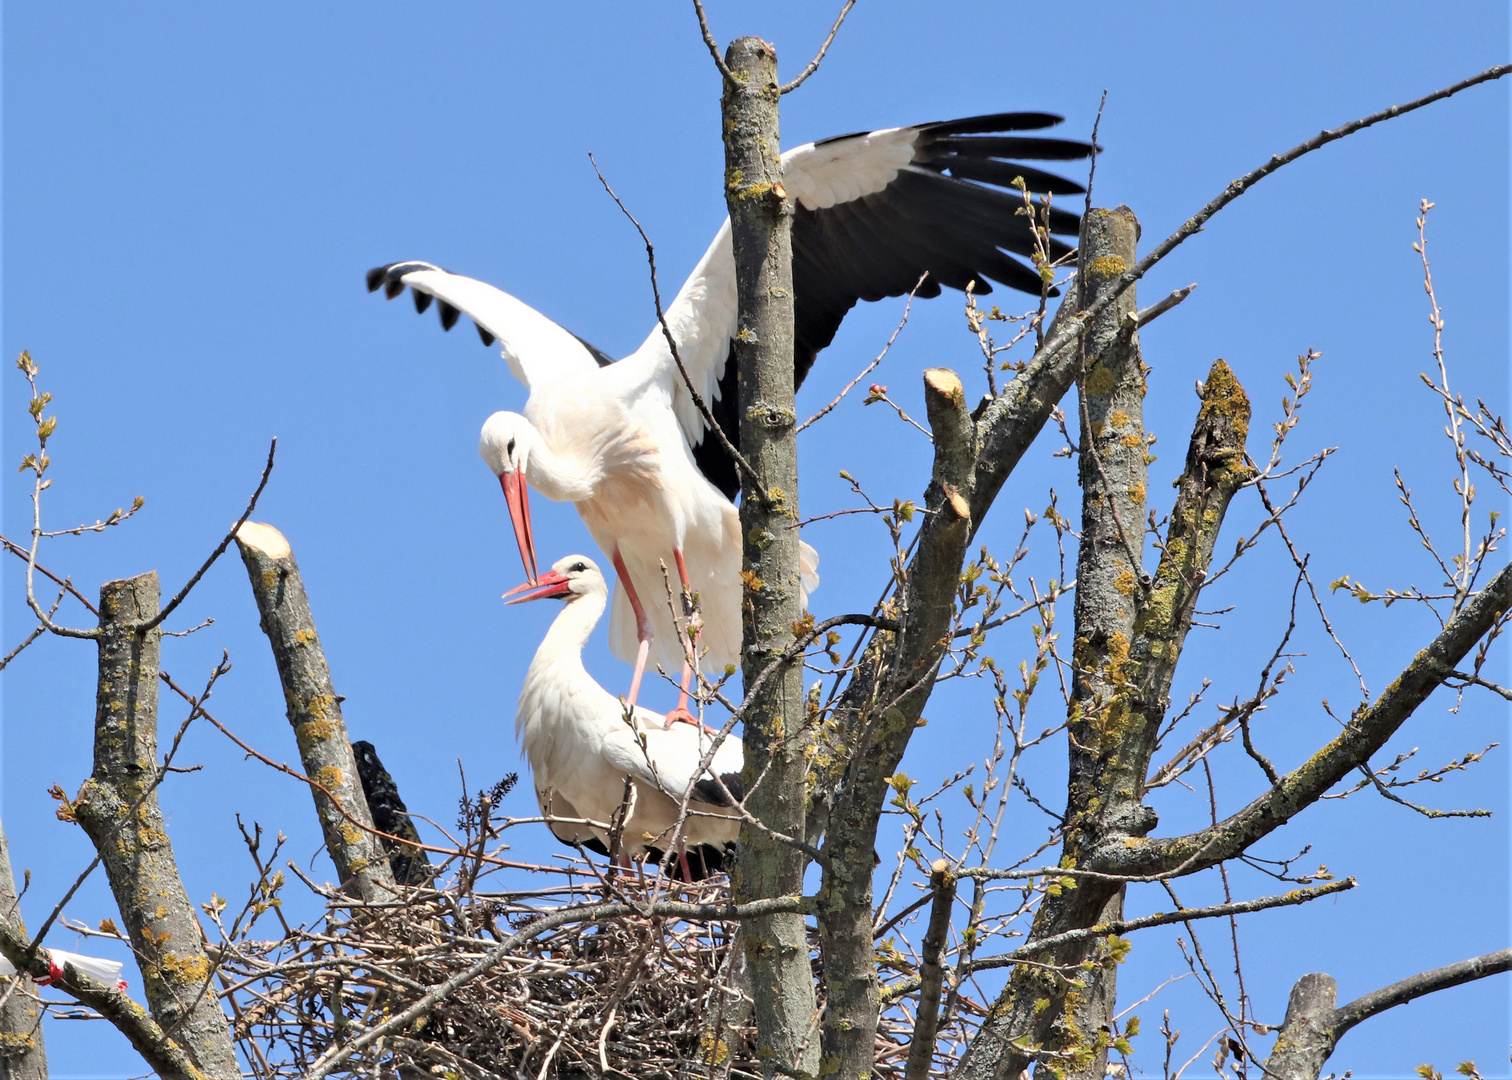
953,213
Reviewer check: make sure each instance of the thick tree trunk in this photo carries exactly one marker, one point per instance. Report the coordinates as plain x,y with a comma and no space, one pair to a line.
878,713
1129,633
22,1054
118,808
1110,586
1041,1008
760,220
314,709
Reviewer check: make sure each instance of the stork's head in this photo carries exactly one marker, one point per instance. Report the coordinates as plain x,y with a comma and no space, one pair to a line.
505,446
568,579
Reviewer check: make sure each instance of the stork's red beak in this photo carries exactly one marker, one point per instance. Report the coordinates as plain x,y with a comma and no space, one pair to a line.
550,585
517,495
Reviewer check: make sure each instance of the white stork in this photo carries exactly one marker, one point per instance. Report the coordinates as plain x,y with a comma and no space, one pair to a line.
625,442
582,751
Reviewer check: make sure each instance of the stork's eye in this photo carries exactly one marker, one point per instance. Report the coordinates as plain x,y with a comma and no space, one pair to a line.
577,568
510,448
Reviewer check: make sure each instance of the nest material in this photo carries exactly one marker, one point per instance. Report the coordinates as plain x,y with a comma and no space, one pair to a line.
649,998
634,996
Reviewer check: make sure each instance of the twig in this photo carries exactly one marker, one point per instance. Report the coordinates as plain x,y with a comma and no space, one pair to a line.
869,368
220,549
20,552
708,36
703,410
1077,324
1125,926
1141,319
813,65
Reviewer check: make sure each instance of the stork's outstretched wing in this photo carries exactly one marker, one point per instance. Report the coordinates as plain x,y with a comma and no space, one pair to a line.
873,212
537,348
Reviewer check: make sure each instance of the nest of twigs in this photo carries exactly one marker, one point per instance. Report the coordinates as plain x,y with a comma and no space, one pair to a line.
637,996
567,988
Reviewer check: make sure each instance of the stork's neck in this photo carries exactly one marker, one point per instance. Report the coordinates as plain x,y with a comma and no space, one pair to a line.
561,651
563,477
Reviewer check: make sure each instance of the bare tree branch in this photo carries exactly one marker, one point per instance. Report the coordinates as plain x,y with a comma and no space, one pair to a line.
160,920
1313,1027
161,1053
1365,733
1076,326
713,46
314,710
220,549
921,1047
813,65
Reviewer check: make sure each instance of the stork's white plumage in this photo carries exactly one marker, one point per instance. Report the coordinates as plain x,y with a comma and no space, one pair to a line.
582,751
625,441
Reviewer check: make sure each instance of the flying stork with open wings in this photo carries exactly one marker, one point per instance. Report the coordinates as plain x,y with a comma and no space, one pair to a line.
872,212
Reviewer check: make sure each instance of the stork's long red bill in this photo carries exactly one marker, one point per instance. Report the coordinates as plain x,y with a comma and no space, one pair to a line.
517,496
548,585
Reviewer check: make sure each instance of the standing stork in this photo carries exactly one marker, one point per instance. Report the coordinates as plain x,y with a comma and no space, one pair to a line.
587,759
872,213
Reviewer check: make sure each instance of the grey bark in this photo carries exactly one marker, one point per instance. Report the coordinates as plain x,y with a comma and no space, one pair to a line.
23,1056
118,808
878,713
314,710
1313,1027
1110,585
776,946
931,972
1305,1040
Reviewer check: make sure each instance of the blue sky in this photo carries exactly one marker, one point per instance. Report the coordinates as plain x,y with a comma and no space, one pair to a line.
193,192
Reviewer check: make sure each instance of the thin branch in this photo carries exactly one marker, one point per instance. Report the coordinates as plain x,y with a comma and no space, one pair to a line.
1365,733
869,368
1476,680
1426,982
1141,319
220,549
813,65
65,583
703,410
708,36
1119,927
1076,325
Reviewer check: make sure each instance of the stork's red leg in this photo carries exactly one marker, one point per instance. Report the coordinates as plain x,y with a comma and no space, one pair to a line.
643,632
